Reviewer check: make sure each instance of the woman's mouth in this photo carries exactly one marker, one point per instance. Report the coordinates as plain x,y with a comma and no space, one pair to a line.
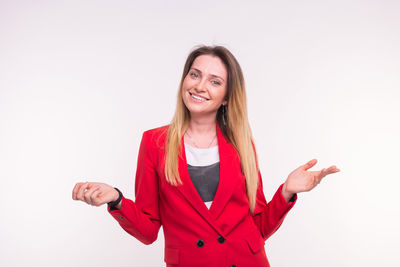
197,99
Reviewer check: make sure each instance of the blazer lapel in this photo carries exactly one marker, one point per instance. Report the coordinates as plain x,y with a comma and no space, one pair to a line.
230,174
229,165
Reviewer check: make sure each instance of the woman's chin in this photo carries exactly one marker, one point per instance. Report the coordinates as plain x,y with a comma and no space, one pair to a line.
202,112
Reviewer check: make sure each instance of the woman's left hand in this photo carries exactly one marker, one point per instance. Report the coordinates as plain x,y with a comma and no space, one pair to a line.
301,180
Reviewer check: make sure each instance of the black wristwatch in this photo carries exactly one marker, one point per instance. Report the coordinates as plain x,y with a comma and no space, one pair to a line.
114,203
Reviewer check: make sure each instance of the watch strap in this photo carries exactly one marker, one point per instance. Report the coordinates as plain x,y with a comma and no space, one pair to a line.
114,203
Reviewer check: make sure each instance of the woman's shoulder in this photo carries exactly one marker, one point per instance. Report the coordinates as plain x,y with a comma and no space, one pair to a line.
158,130
157,134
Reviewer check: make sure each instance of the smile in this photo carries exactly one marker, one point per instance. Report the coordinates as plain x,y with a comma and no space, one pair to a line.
197,98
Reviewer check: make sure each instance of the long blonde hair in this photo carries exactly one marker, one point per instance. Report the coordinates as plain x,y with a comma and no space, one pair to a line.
237,130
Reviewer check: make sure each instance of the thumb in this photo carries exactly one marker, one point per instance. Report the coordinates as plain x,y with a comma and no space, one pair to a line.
309,164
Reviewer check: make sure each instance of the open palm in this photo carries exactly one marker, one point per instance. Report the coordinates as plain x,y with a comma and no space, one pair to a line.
301,180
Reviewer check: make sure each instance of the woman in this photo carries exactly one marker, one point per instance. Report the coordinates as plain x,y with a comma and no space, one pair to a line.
199,178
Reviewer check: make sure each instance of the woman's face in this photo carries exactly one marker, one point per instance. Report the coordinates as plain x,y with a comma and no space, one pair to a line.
204,87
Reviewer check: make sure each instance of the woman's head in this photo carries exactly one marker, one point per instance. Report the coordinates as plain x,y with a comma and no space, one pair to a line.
204,86
226,102
214,73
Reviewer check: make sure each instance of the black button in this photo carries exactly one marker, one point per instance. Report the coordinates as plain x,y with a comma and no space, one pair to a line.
233,265
200,243
221,239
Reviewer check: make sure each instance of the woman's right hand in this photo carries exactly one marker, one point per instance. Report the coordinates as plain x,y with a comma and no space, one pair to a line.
95,194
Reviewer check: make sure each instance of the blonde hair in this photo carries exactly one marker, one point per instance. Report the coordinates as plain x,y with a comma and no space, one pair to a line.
237,130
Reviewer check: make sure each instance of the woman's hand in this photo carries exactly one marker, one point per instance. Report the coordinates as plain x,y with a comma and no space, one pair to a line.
301,180
95,194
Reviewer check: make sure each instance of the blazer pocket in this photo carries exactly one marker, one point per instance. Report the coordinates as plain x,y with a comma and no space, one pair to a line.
171,255
255,241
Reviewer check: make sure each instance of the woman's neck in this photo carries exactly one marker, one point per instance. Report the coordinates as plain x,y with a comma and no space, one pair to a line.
198,127
201,133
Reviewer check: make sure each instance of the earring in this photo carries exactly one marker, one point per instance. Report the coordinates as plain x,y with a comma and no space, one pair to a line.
224,114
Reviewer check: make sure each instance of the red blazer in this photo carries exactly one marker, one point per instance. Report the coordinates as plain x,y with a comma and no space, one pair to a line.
227,234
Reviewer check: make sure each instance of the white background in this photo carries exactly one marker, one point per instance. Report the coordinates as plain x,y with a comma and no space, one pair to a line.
81,80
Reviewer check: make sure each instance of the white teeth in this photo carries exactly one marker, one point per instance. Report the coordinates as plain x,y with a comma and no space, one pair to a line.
197,97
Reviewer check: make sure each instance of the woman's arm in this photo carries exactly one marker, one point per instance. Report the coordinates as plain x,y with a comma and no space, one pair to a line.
268,216
141,218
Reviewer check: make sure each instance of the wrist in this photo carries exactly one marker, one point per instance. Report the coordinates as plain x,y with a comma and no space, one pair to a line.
117,203
287,195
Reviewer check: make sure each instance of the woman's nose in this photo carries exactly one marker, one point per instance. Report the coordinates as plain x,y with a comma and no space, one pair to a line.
201,85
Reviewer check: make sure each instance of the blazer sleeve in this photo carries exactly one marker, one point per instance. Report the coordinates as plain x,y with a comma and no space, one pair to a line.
268,217
141,218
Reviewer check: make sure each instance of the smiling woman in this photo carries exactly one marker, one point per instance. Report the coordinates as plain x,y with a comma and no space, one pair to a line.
198,177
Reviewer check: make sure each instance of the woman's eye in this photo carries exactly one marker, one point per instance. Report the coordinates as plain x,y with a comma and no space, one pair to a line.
193,74
216,83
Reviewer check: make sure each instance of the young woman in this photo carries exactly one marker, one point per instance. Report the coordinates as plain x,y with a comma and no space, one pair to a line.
198,176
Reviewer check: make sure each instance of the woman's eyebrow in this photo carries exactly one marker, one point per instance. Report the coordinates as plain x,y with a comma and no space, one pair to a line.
210,74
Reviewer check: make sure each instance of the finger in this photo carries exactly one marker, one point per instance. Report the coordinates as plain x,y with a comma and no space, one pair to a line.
87,195
91,185
81,190
332,169
75,190
335,169
309,164
94,197
325,172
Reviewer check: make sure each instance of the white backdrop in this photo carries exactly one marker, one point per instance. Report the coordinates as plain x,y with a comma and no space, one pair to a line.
81,80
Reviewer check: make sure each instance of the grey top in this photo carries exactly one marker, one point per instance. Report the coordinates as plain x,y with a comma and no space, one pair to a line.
203,167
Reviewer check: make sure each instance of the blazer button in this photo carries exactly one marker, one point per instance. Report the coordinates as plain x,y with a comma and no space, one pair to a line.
233,265
221,239
200,243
